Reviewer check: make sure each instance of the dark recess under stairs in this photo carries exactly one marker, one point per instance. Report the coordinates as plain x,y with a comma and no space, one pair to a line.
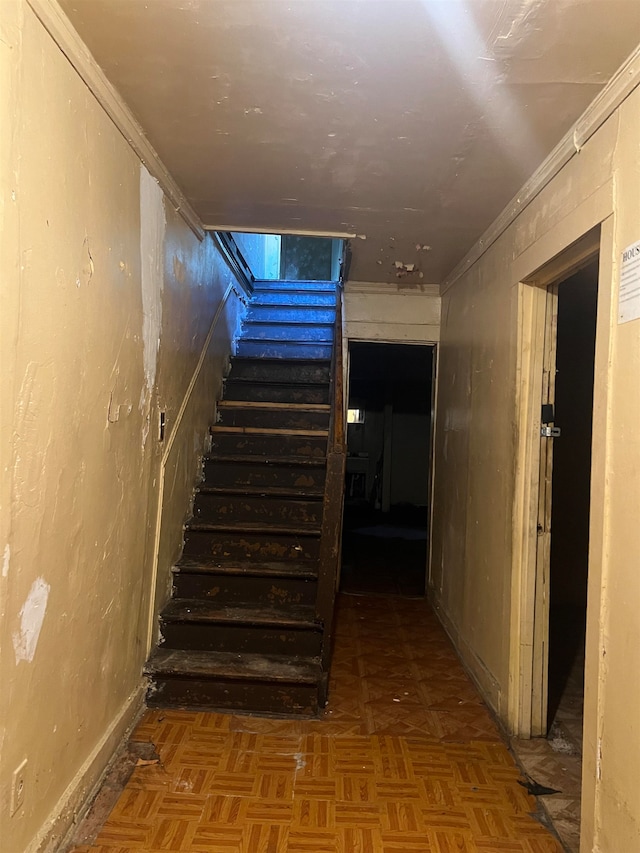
248,627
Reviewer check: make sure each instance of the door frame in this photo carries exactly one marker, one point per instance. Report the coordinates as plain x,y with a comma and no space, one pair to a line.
537,315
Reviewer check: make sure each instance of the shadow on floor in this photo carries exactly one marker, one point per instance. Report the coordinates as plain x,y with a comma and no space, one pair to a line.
384,553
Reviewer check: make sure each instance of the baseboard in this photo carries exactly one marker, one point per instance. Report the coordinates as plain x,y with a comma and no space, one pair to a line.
77,798
477,670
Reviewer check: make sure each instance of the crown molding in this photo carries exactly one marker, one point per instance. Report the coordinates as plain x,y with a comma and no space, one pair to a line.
621,85
66,37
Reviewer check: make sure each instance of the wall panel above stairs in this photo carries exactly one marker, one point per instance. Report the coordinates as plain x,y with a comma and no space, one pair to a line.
248,625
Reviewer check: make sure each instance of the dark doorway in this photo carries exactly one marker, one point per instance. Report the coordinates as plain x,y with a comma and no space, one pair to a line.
384,546
570,501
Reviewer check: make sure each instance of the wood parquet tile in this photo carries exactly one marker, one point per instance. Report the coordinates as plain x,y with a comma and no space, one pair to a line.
406,759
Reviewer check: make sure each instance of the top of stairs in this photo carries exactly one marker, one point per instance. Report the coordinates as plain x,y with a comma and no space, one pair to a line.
285,284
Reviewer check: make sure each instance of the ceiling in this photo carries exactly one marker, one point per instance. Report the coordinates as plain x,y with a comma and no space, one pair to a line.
410,123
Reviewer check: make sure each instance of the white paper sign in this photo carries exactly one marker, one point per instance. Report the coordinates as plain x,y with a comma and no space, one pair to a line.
629,296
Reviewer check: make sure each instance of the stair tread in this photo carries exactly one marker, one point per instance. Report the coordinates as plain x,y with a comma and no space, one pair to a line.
245,569
264,404
220,428
305,286
286,303
249,459
206,610
254,527
294,383
244,338
263,491
278,362
231,665
283,322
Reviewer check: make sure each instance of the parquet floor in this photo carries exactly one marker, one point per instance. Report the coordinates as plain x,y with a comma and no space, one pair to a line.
406,759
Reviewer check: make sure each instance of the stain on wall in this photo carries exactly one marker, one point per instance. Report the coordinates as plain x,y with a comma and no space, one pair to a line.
112,312
152,232
32,613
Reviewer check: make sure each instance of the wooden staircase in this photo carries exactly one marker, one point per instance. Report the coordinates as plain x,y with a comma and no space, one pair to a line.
248,627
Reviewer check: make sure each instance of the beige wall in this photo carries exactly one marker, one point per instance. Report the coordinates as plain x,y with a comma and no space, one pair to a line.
474,570
397,311
112,311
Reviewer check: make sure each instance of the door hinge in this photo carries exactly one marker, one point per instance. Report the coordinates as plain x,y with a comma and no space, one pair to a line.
550,432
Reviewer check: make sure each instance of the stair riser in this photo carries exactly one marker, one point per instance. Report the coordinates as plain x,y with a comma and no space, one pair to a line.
256,697
251,546
286,299
288,314
219,473
282,349
261,285
247,444
258,392
240,589
279,371
272,418
287,332
232,509
241,638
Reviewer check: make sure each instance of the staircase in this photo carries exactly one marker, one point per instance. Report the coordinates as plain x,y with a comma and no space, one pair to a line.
248,627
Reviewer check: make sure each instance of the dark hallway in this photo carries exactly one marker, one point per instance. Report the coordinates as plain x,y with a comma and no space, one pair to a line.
384,545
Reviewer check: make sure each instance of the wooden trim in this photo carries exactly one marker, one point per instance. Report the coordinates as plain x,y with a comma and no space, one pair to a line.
392,288
73,805
621,85
435,364
294,232
572,259
66,37
540,673
382,333
531,317
234,259
606,102
331,539
525,652
599,533
338,435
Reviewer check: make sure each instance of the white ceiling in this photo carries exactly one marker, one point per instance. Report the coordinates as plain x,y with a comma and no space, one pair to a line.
409,122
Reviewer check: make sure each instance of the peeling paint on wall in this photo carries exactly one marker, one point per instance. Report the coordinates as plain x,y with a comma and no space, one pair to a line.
31,618
152,231
6,557
88,267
